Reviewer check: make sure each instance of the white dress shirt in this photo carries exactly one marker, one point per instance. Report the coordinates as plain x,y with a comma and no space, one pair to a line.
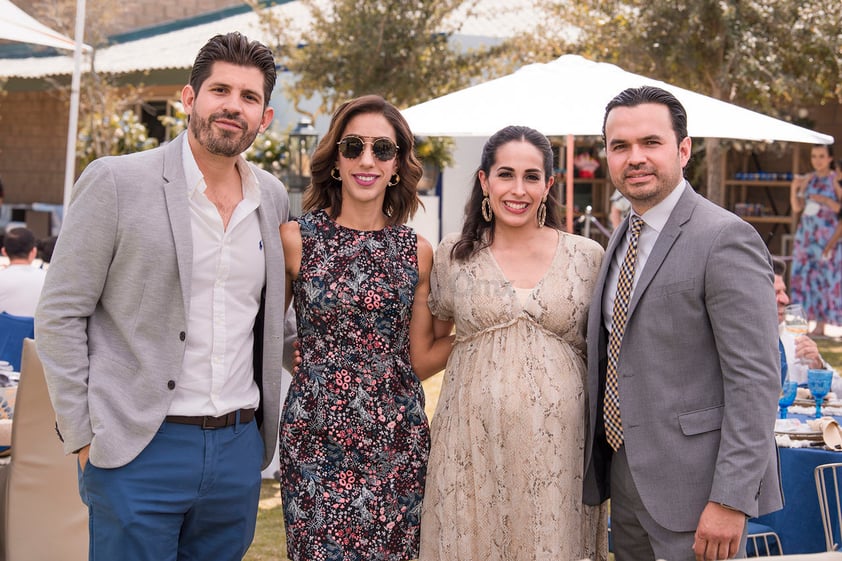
20,289
227,279
653,222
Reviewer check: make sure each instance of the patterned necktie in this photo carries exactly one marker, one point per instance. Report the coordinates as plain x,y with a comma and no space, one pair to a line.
611,406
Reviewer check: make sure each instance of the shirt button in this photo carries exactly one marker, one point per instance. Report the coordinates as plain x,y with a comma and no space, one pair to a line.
182,335
171,384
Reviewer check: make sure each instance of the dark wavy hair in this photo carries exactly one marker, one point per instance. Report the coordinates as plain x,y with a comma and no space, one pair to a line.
401,200
476,232
234,48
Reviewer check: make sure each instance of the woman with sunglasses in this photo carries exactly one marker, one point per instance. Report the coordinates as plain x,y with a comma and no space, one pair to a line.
354,437
505,472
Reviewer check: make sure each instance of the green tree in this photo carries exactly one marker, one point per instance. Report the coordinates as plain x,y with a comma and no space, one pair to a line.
400,49
774,56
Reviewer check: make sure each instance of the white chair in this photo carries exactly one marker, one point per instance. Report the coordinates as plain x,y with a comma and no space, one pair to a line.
43,517
763,541
827,486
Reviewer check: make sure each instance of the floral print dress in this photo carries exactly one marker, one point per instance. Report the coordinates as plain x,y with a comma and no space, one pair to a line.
816,283
354,437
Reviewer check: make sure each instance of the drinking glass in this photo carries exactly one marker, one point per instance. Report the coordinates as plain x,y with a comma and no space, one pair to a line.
819,381
795,325
788,391
795,320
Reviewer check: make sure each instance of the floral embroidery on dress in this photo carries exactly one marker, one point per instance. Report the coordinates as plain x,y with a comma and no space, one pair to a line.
354,437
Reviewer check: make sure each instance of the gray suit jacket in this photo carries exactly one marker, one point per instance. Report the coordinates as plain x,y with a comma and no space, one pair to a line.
698,371
110,326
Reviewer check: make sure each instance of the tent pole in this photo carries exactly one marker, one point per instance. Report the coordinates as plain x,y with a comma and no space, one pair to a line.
568,165
73,119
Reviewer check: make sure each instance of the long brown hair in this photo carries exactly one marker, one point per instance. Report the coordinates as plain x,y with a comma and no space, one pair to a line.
401,200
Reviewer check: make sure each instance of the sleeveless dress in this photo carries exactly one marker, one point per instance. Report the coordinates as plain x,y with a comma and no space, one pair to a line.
504,481
816,283
354,437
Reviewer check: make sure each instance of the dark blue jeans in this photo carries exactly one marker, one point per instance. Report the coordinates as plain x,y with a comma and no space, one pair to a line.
191,495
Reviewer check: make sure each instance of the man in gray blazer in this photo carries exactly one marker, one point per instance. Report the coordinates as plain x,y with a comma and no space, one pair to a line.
683,355
161,324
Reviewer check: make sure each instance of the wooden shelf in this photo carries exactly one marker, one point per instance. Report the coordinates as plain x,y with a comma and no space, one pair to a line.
768,219
755,183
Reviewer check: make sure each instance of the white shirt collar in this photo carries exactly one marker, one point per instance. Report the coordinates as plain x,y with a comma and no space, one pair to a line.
196,181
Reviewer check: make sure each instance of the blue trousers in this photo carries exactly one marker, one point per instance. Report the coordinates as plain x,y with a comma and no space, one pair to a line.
191,495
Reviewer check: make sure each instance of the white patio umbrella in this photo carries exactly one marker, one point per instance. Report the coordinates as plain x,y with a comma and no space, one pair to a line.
567,97
17,25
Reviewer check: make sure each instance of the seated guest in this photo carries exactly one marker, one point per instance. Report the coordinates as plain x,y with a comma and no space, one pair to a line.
20,282
45,250
805,349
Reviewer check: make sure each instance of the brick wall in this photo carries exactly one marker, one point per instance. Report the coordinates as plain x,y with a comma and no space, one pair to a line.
32,146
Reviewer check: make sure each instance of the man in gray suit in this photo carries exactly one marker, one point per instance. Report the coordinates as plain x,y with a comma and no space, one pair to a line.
683,356
161,324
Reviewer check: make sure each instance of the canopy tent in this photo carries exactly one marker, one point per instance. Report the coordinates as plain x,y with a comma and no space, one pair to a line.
17,25
567,97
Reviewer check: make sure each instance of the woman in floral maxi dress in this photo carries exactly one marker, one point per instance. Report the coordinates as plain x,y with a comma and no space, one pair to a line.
816,280
354,437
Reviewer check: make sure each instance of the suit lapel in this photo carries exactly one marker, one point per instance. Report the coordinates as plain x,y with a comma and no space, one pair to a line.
178,210
672,229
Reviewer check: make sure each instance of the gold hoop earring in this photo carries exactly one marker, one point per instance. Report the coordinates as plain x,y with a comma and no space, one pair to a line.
394,180
485,206
542,214
334,173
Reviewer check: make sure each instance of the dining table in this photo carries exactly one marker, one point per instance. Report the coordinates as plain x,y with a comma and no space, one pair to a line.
799,524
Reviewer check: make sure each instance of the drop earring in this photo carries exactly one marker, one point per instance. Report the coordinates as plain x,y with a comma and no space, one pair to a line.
542,213
485,206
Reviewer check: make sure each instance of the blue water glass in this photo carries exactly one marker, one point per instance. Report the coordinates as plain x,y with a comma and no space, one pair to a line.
789,389
819,380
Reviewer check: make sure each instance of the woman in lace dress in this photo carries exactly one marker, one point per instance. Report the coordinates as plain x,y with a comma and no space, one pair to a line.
504,480
354,437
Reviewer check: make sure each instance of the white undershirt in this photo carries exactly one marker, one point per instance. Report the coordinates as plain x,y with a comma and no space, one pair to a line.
227,278
653,222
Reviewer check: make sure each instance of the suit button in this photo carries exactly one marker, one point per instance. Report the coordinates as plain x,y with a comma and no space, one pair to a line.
171,384
182,335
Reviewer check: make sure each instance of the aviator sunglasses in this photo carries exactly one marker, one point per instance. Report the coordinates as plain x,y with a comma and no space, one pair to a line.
352,147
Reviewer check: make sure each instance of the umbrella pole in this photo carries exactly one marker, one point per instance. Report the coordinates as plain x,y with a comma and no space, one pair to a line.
73,119
569,183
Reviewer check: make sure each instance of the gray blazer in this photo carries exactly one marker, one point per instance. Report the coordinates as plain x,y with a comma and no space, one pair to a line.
699,372
110,326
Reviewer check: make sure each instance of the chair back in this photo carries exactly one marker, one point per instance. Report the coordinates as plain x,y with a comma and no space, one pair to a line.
45,518
13,330
827,486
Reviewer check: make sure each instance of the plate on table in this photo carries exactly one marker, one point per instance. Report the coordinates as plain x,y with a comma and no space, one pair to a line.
797,430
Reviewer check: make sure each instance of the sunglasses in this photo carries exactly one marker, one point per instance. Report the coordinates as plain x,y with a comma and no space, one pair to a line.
352,147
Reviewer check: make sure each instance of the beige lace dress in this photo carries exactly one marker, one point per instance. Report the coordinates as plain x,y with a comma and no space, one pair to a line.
504,479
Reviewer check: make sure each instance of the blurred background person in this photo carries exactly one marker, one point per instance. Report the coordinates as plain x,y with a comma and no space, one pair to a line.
45,250
620,207
816,283
805,349
20,282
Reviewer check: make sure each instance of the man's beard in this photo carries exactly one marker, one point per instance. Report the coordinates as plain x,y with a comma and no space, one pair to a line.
222,142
